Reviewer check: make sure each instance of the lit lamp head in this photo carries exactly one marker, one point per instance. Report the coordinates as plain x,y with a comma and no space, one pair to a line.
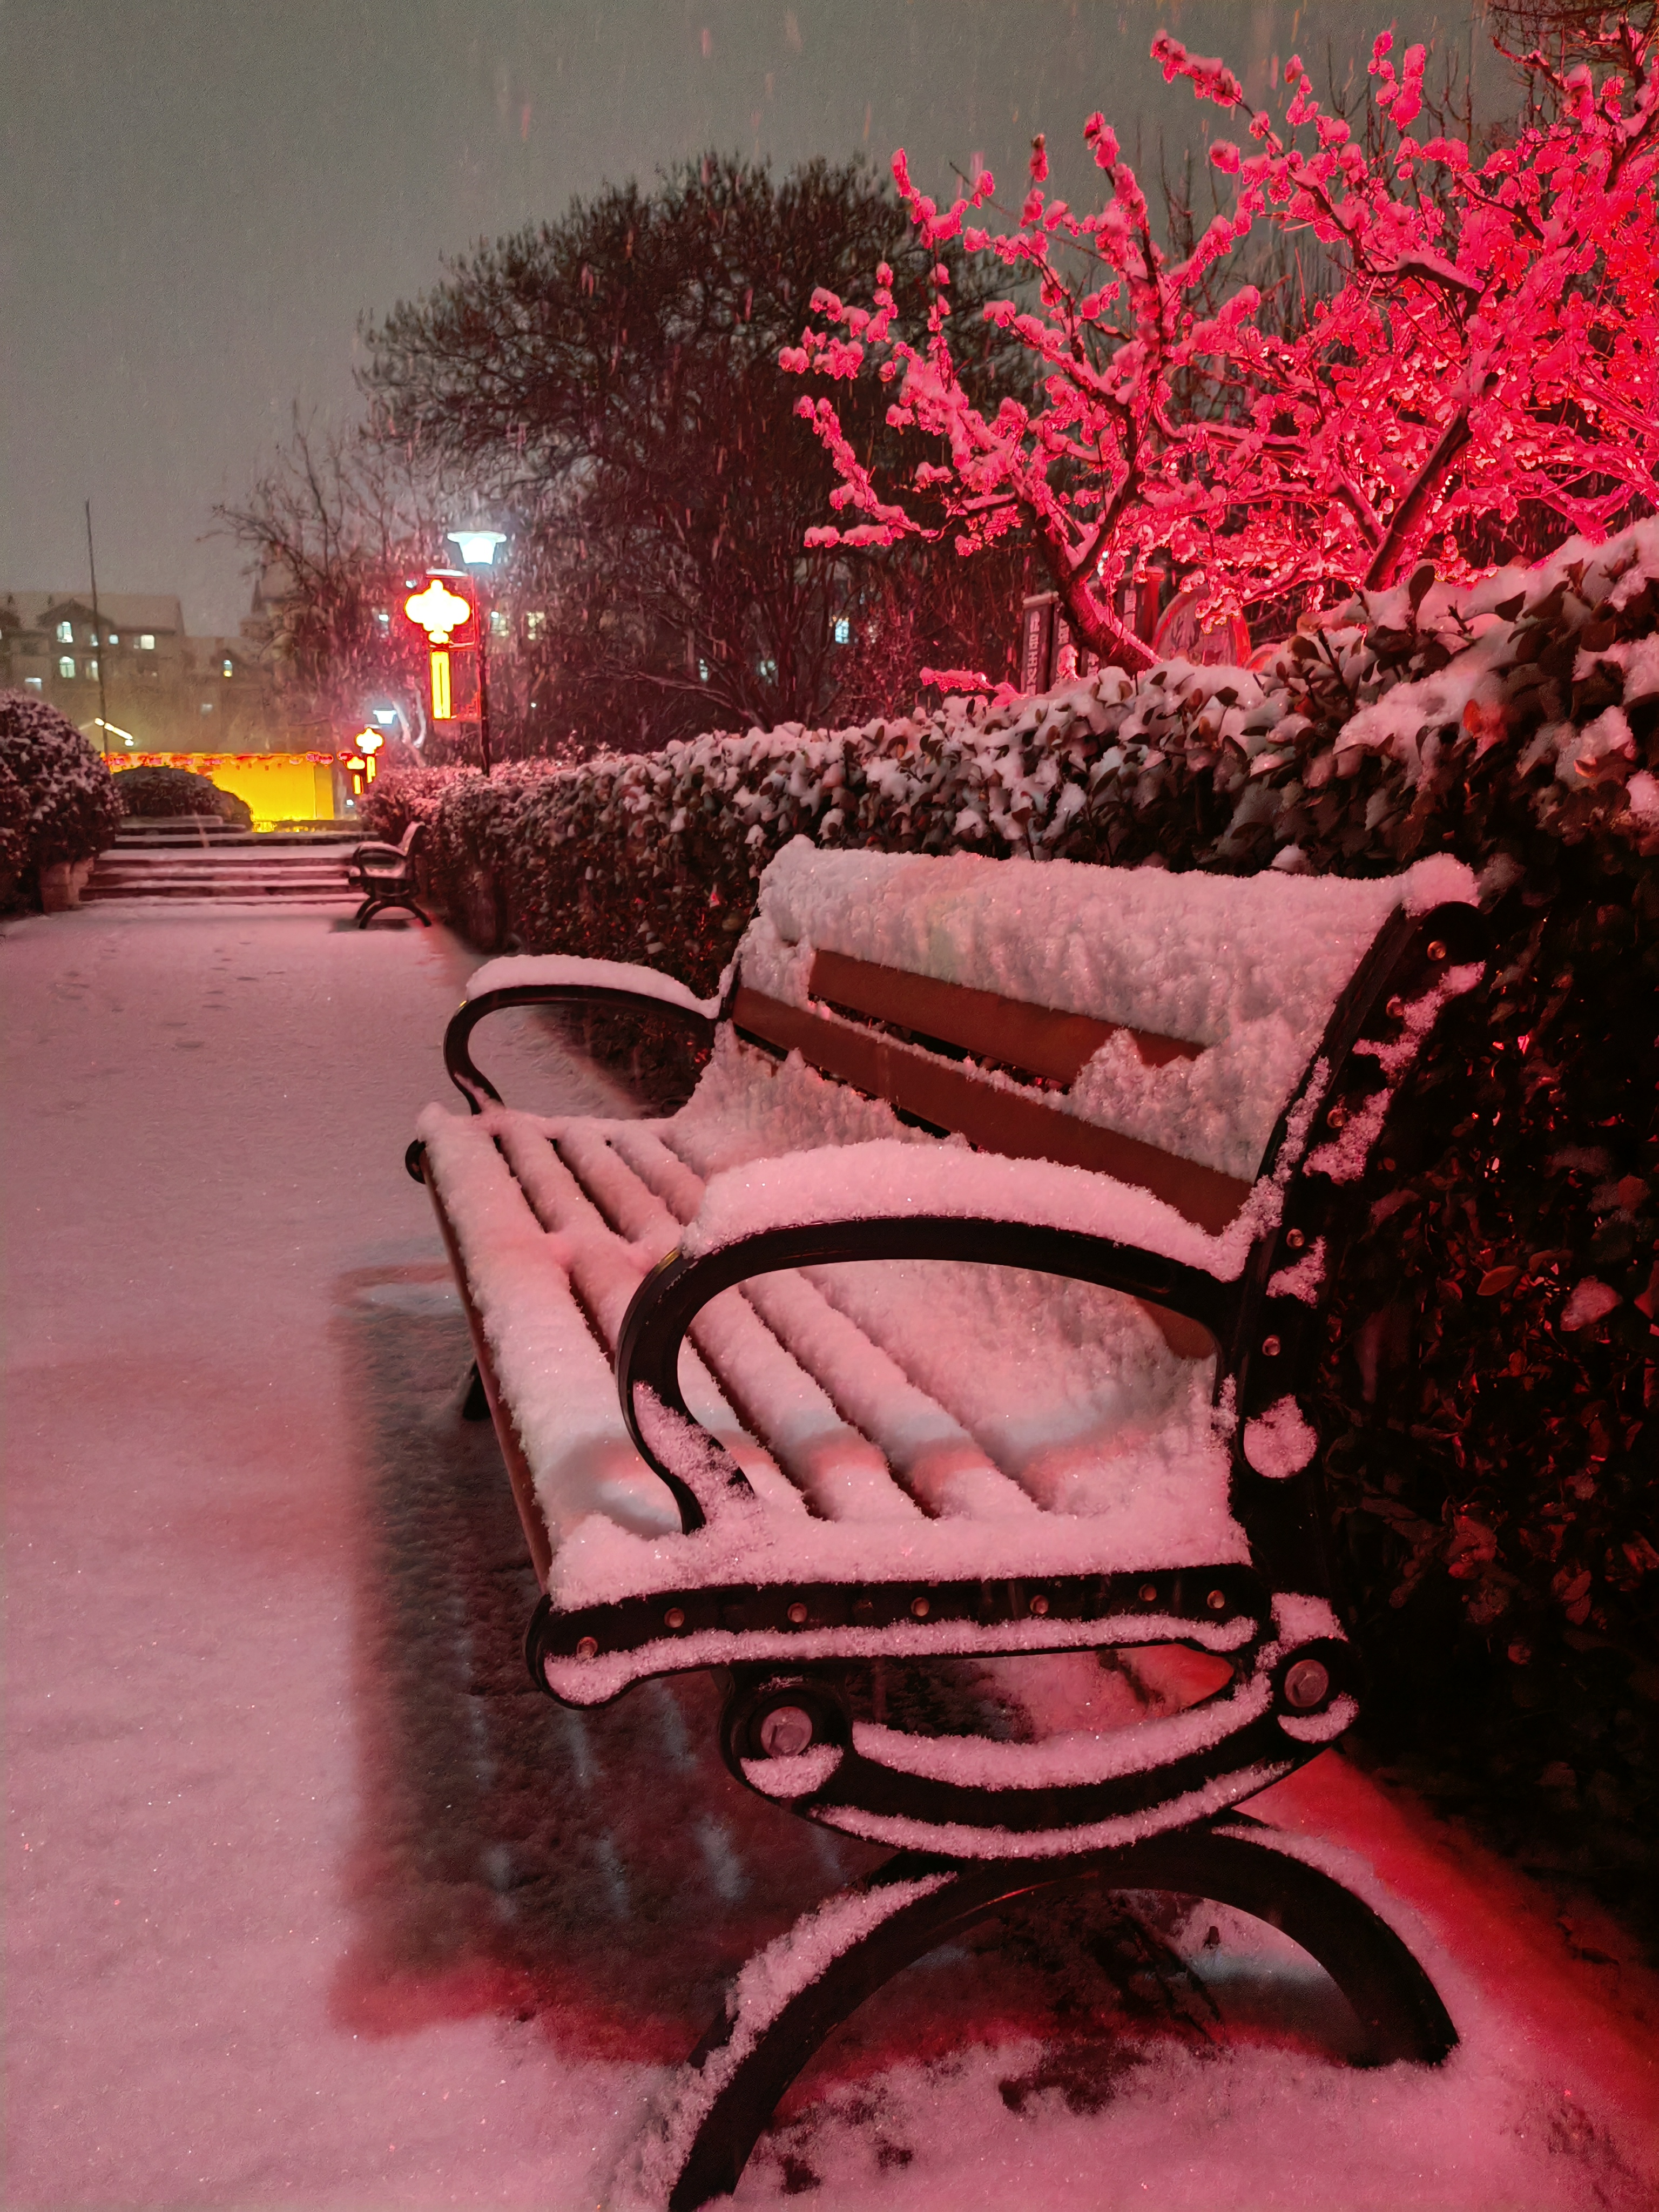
476,547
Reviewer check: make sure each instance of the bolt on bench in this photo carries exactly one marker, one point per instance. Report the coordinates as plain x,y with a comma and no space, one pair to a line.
962,1324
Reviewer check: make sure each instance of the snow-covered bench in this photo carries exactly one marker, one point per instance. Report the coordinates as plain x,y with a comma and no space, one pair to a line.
962,1321
384,874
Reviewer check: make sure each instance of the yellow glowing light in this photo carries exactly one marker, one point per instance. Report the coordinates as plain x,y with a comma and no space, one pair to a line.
438,611
440,683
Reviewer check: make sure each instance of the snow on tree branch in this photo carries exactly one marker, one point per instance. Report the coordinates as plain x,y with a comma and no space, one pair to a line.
1491,347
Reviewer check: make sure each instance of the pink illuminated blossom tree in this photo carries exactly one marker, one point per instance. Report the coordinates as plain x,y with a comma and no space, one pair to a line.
1490,343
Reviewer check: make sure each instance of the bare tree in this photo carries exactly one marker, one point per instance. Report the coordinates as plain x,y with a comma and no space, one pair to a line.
612,380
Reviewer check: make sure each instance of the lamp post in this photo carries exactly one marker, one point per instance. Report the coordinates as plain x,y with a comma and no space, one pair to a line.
478,550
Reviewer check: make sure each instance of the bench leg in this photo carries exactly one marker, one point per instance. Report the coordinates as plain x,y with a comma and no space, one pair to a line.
793,1994
371,907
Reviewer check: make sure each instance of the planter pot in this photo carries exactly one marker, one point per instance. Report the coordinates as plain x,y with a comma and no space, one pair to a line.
61,884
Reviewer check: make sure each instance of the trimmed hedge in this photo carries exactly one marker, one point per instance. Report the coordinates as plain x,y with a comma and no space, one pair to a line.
56,799
152,793
1490,1389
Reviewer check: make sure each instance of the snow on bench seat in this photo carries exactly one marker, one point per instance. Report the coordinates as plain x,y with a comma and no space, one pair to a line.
1043,1427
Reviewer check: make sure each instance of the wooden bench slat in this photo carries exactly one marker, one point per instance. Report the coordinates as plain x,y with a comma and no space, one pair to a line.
841,1472
826,1323
604,1272
998,1119
1042,1040
938,1460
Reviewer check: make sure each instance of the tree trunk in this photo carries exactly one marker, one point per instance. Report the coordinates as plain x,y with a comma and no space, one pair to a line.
1092,624
1409,513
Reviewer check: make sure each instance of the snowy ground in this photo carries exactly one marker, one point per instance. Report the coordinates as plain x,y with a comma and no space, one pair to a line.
312,1900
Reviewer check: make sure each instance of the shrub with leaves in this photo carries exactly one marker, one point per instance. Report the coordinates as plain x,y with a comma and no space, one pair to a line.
152,793
70,810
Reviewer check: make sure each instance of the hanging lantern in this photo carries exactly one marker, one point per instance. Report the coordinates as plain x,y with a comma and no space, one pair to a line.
453,666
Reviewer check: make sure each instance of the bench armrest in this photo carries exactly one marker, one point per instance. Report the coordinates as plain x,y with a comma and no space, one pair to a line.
563,980
836,1184
910,1202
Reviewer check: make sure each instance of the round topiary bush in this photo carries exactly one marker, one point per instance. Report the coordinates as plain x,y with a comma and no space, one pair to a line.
146,794
56,800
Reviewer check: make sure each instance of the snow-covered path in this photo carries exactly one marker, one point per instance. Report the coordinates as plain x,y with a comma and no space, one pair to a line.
311,1899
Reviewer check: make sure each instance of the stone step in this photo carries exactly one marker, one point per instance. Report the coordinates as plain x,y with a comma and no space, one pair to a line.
235,888
225,864
218,836
292,874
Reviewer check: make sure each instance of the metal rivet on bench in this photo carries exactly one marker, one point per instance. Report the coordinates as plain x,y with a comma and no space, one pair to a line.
919,1607
1295,1239
1149,1592
1270,1345
785,1732
1396,1009
1218,1600
1436,949
798,1613
587,1647
1039,1603
1306,1684
673,1617
1338,1117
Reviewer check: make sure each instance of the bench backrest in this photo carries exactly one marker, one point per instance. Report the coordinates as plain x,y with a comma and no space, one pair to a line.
1152,1026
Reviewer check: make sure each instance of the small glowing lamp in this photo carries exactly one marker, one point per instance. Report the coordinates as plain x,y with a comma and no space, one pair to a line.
476,547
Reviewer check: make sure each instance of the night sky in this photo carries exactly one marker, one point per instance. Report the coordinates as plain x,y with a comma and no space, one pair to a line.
201,197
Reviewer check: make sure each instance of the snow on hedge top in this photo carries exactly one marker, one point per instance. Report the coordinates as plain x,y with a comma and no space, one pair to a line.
1248,969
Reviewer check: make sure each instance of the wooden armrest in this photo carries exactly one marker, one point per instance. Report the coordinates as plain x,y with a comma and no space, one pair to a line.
554,980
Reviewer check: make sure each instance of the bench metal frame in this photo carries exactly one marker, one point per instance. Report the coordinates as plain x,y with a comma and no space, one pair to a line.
386,873
779,1642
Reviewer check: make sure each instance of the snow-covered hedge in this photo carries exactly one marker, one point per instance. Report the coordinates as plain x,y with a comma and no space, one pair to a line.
157,793
56,802
1490,1386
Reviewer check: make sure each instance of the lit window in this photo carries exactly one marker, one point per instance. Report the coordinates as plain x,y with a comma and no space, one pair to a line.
147,641
92,669
383,618
844,629
31,682
207,706
66,665
535,625
115,637
230,668
499,624
768,669
702,672
65,633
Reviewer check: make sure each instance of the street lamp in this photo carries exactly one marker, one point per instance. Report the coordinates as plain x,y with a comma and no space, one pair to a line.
478,550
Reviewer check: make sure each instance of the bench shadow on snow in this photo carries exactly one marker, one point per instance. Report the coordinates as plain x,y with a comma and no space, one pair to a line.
601,1873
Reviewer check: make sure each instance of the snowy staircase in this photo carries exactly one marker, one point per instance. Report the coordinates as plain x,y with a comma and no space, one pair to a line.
188,857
